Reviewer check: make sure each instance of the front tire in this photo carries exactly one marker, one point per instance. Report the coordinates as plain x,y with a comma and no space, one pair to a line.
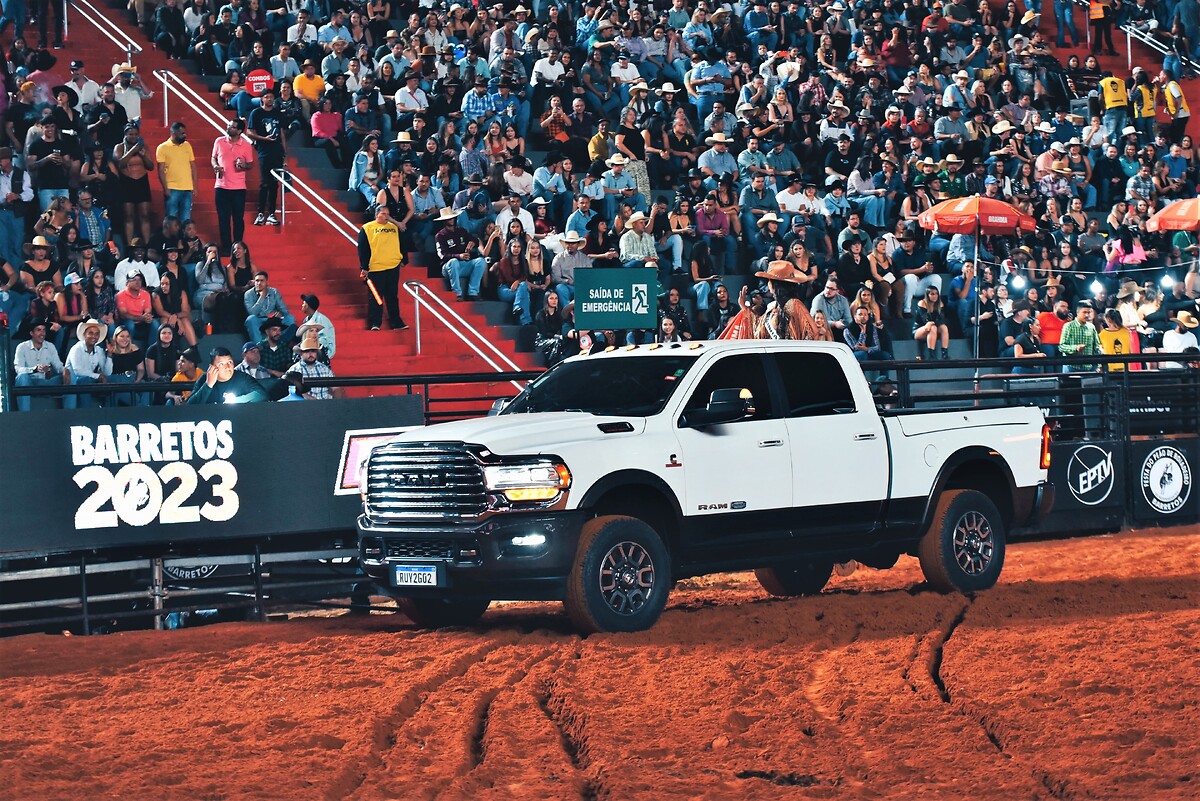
795,578
436,613
621,576
963,550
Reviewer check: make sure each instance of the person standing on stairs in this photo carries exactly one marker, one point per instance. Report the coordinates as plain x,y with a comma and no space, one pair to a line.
379,260
266,131
177,172
232,157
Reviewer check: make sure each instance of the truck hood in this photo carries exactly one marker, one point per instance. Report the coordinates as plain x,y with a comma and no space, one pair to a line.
545,432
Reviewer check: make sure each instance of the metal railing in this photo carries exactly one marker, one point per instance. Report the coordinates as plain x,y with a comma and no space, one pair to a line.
100,21
191,98
290,182
1145,37
424,296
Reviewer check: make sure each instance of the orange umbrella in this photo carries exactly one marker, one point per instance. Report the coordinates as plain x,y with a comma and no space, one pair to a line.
1183,215
976,215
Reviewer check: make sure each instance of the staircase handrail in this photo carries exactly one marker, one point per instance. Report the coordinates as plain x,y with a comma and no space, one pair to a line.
102,23
415,288
1145,37
289,181
191,98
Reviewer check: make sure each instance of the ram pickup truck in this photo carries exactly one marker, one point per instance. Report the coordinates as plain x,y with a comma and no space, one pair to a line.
612,476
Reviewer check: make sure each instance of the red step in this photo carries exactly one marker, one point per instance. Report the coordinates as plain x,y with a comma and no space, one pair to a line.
306,255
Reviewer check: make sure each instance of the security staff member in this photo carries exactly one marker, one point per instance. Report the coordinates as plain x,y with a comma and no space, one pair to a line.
379,260
1116,104
1177,106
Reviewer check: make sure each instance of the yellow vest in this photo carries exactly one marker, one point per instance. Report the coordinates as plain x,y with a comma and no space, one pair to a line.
1169,99
1113,92
384,239
1144,100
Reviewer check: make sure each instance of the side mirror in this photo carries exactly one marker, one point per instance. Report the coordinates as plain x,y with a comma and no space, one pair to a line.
498,406
724,406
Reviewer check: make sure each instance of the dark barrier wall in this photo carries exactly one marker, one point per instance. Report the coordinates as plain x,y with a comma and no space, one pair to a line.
1089,479
1163,473
99,478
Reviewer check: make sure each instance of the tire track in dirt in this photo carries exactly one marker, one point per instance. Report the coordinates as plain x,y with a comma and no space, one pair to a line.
440,733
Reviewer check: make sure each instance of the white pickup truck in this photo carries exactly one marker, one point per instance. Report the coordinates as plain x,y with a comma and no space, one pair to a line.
614,475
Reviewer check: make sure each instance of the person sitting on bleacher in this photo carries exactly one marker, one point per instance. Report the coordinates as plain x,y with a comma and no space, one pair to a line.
36,363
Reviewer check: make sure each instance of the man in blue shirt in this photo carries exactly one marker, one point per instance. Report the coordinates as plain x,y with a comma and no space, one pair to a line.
758,27
583,214
710,79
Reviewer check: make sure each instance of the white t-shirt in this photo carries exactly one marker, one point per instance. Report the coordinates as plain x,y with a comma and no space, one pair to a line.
1175,342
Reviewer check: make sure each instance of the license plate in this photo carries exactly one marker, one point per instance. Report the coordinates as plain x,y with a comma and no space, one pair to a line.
415,576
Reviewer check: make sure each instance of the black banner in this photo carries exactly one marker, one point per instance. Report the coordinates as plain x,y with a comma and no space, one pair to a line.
98,478
1089,485
1163,474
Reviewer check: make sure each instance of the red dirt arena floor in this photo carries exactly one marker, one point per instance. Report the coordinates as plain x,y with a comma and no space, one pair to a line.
1077,677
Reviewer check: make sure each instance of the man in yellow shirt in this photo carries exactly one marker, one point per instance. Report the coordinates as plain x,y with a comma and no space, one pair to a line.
379,260
177,172
308,86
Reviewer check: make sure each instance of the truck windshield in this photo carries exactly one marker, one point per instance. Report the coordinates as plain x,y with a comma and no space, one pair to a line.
632,386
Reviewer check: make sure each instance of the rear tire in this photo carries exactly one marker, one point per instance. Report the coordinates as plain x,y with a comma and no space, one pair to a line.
795,578
621,576
436,613
963,550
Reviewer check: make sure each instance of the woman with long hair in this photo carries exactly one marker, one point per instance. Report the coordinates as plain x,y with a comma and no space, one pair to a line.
101,297
172,308
212,280
704,275
883,279
631,142
367,169
495,144
510,274
328,133
929,326
128,367
99,176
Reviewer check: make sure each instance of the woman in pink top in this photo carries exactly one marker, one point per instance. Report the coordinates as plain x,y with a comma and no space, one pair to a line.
327,132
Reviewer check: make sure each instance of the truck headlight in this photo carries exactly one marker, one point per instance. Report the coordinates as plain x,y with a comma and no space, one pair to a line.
535,481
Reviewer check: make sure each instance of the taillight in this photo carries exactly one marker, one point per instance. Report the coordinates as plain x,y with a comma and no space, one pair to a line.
1045,447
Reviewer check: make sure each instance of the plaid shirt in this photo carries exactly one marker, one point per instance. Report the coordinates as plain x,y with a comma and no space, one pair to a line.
1075,334
279,359
315,370
477,107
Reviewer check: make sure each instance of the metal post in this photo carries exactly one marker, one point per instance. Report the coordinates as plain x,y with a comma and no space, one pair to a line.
283,203
166,113
978,234
417,317
259,610
1128,50
157,591
83,596
6,383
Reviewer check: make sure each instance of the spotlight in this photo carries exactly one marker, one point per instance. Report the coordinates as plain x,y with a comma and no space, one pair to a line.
1167,282
1097,287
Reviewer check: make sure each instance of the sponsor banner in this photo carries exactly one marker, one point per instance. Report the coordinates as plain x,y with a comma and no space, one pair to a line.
257,82
1163,473
1088,474
100,478
616,299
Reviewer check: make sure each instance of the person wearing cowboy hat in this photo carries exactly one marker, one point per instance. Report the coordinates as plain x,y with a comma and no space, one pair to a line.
1180,339
310,306
455,248
129,91
954,183
87,363
335,30
562,269
710,81
785,317
410,99
637,246
274,354
310,367
135,261
756,202
620,188
717,162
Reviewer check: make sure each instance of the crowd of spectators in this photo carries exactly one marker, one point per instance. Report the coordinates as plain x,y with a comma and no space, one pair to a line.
711,142
84,250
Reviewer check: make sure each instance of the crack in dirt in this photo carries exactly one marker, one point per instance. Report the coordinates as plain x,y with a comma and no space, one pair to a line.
1057,788
781,779
478,744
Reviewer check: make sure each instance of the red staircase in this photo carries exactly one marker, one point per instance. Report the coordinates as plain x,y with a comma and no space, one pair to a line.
305,256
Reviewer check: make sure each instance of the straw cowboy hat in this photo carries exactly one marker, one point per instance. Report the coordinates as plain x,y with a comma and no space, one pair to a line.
640,86
1054,280
38,242
1002,126
953,159
769,217
637,216
304,329
86,324
310,341
718,139
1187,319
668,88
1029,17
1045,127
1062,168
119,68
448,213
782,270
403,136
617,158
571,238
1128,289
532,33
788,69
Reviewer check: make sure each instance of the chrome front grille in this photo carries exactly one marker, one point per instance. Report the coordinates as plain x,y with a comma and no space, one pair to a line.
425,481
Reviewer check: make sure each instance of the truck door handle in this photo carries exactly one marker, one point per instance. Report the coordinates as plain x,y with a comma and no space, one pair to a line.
862,437
770,443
